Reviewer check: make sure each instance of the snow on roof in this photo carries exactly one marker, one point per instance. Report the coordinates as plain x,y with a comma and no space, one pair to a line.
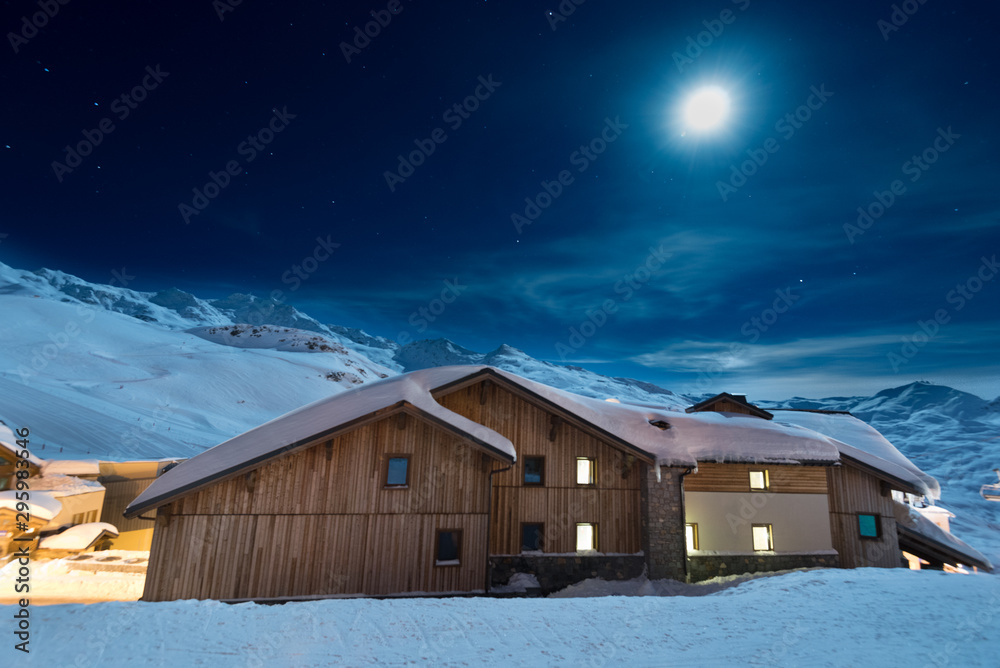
40,504
865,444
59,485
72,467
79,537
8,440
305,424
692,437
909,518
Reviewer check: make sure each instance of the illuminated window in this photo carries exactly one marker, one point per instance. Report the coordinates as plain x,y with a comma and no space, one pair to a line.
449,547
759,480
691,533
397,473
534,470
869,526
584,471
586,536
762,540
531,537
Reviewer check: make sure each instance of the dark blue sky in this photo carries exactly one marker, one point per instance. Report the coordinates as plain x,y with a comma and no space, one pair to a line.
829,105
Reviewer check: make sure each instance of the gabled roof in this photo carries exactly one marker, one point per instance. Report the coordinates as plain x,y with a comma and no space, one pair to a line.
919,536
707,404
862,445
325,418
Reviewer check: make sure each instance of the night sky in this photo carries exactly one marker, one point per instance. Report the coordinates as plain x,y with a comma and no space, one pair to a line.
734,259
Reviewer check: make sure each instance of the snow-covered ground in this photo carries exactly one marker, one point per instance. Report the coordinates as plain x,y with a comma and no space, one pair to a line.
867,617
60,580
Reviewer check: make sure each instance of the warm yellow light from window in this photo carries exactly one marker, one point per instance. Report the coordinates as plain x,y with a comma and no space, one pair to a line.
691,534
758,479
584,471
584,537
762,538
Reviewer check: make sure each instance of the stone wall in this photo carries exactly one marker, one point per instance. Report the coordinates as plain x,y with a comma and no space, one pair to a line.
703,568
663,540
558,572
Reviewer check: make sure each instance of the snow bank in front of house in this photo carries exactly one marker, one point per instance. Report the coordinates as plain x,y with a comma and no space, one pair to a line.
61,580
813,618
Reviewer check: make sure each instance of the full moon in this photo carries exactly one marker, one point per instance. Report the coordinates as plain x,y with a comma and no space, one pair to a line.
706,109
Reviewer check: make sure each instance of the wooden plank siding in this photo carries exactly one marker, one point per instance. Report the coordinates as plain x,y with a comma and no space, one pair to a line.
320,522
853,491
783,478
613,502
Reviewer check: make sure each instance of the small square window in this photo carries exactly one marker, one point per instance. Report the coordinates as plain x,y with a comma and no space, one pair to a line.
531,537
762,538
869,526
691,535
586,536
759,480
584,470
534,470
397,473
449,547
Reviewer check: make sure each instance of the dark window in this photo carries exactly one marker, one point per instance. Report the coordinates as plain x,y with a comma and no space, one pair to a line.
868,526
449,547
534,470
531,537
397,473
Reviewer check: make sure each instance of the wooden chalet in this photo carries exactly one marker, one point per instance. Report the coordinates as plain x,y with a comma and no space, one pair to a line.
452,479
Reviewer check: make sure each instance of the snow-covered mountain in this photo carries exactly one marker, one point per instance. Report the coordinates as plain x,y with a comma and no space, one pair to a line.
106,371
103,370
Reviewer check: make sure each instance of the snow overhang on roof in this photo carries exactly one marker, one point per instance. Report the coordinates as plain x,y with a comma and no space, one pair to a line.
79,537
40,504
327,417
862,444
919,535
